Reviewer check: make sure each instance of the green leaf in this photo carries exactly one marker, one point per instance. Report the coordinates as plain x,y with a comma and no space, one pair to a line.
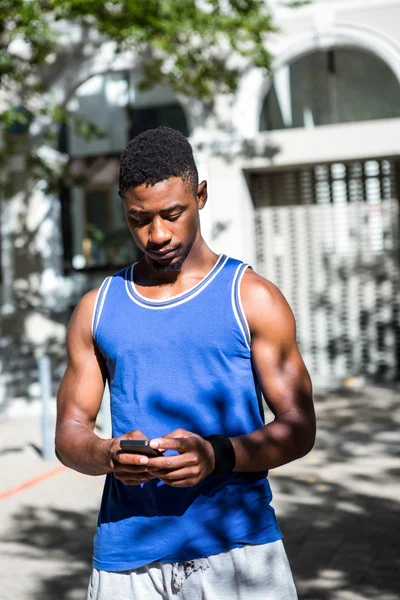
199,49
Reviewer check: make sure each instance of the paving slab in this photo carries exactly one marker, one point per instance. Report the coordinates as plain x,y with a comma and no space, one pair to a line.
338,507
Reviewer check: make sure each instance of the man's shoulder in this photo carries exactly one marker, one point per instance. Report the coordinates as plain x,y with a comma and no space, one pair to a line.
262,300
87,304
84,310
259,289
89,299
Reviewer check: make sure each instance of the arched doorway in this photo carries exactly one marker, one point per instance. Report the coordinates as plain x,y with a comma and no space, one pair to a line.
331,86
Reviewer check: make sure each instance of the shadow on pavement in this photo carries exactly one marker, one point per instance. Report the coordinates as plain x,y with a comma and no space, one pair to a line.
341,505
346,542
340,527
354,423
65,537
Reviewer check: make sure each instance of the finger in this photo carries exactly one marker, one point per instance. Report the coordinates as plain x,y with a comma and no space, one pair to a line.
128,475
178,433
135,434
130,472
177,475
169,463
127,458
179,444
128,468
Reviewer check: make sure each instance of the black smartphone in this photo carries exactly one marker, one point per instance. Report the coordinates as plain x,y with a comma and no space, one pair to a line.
139,447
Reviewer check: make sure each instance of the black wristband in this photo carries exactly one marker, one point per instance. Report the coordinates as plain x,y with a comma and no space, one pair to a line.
224,452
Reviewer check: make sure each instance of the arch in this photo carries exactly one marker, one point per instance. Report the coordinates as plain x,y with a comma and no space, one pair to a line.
255,86
103,61
113,101
326,87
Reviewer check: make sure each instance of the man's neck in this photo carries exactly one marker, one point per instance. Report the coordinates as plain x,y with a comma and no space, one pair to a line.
198,262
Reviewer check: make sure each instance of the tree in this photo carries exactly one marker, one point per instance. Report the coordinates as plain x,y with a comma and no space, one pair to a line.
197,48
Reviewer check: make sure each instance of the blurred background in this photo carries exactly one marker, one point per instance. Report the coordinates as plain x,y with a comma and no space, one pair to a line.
293,112
294,116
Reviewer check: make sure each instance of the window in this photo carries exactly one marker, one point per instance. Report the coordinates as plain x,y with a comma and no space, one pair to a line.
114,103
328,236
94,229
95,233
336,86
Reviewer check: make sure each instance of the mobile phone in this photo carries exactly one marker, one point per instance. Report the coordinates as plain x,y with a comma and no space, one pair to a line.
139,447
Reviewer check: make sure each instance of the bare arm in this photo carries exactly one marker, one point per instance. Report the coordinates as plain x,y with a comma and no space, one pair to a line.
284,380
79,397
78,403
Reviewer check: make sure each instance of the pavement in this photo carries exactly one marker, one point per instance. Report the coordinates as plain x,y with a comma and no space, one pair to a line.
338,507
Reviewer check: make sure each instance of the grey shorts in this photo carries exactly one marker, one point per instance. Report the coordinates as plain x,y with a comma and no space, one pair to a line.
259,572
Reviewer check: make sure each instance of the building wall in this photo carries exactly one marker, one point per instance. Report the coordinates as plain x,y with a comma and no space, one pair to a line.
223,159
231,210
370,25
357,336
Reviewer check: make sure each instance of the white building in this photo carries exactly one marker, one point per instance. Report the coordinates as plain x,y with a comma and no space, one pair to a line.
304,178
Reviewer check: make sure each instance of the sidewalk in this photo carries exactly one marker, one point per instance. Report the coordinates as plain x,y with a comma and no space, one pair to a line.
339,508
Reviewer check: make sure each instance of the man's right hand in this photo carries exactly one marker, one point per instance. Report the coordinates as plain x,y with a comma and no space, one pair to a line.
127,467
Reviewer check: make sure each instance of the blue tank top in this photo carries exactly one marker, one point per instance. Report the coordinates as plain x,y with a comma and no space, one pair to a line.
183,362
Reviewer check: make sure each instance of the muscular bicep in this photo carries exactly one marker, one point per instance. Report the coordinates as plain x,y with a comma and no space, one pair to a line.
283,377
282,374
82,386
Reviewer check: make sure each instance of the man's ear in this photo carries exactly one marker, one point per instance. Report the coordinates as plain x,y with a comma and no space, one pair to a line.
202,194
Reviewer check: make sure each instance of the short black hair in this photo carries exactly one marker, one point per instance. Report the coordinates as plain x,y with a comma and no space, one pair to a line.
156,155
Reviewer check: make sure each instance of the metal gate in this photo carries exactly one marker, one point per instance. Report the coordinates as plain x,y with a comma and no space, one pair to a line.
328,237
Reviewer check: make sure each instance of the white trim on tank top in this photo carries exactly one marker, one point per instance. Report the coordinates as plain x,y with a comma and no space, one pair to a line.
105,285
236,308
153,304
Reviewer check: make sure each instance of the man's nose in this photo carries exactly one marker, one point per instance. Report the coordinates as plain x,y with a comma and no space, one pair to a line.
159,233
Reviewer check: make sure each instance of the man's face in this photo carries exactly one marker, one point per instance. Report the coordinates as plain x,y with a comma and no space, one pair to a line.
164,220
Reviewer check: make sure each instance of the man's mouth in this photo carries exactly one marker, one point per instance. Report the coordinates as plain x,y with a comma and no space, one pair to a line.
163,254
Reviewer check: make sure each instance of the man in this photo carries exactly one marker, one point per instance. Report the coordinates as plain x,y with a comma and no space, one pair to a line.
188,341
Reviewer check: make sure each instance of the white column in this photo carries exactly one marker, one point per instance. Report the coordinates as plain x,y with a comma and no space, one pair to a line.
7,255
201,158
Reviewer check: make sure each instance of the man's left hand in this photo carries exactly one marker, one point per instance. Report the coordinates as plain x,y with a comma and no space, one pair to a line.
193,463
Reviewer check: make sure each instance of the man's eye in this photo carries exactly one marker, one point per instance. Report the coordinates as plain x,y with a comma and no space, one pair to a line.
139,222
173,217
